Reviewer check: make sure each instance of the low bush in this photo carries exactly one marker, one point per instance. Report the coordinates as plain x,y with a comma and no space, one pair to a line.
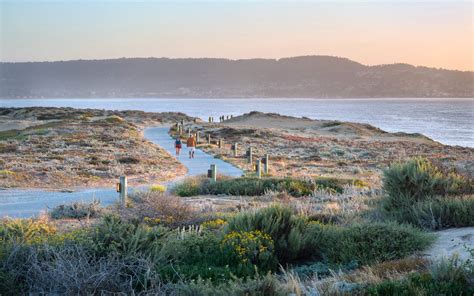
418,180
77,210
72,269
368,243
248,249
420,193
286,230
157,208
116,237
193,255
259,285
158,188
447,277
255,187
439,213
189,187
25,230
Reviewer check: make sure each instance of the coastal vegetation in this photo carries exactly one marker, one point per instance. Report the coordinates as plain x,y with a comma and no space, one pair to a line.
62,148
322,222
282,244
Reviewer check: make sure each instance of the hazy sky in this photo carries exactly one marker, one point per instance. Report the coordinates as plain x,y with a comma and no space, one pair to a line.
430,33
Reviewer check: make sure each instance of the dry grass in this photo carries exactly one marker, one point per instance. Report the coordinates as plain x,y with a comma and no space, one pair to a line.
81,148
349,150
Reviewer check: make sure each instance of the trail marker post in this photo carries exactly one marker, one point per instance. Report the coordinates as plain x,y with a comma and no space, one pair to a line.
250,154
122,190
259,168
235,148
266,164
212,173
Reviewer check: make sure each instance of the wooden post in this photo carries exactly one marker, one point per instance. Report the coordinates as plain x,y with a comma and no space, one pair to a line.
197,137
266,165
209,139
250,154
221,143
123,190
189,132
235,148
213,172
259,168
180,130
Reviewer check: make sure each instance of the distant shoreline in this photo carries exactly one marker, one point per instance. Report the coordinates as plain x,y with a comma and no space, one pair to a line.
244,98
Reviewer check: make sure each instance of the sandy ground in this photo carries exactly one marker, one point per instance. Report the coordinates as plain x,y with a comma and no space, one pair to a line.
64,148
453,241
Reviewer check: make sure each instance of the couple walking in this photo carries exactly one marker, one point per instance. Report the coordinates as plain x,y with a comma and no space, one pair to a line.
190,143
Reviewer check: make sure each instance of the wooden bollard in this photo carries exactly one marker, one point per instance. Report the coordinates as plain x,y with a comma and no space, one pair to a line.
122,190
259,168
221,143
266,164
212,173
250,154
235,149
209,139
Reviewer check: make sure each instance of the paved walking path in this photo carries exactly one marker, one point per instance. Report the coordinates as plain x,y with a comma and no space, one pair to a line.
201,161
31,202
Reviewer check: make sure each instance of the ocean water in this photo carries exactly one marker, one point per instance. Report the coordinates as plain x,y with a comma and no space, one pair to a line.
449,121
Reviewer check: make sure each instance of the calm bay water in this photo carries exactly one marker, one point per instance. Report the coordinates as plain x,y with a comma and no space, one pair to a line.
449,121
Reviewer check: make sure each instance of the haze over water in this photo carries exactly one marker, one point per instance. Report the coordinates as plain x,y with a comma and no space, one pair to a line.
449,121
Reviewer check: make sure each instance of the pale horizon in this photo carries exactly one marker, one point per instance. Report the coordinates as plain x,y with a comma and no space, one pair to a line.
431,33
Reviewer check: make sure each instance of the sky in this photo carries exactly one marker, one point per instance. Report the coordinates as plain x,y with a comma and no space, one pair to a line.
429,33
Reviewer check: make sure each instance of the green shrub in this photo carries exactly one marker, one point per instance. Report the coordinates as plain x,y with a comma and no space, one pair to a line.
25,231
193,255
257,286
113,236
77,210
417,180
189,187
369,242
248,249
447,277
439,213
255,187
286,230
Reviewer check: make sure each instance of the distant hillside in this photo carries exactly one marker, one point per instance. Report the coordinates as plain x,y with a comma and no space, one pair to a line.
308,76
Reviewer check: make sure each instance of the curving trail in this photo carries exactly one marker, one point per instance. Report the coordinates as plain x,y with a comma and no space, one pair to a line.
24,203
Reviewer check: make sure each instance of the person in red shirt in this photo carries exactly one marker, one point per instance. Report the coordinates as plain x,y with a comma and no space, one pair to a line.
191,143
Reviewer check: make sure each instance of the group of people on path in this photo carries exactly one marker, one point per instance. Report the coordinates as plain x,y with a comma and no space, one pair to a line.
190,143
